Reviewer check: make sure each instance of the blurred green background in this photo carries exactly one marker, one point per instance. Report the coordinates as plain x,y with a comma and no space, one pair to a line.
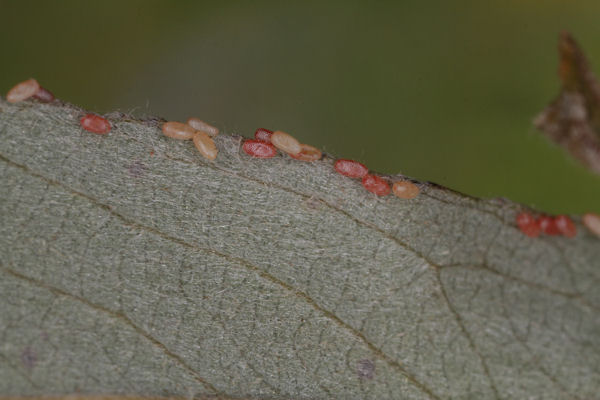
439,90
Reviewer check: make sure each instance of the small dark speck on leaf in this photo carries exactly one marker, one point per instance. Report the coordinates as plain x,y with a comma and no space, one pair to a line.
116,115
136,169
312,203
365,369
153,121
28,358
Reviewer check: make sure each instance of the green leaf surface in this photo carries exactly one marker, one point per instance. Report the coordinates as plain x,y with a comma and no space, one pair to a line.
129,264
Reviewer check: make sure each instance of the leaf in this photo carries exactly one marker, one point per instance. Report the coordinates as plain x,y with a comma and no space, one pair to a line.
572,120
131,265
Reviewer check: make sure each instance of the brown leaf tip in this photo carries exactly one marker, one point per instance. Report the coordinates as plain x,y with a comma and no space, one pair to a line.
572,120
573,66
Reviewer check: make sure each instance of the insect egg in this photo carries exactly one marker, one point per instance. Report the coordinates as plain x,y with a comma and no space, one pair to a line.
592,222
259,149
200,125
285,142
178,130
44,95
308,153
376,184
205,145
95,123
565,226
405,190
22,91
350,168
528,225
548,225
263,134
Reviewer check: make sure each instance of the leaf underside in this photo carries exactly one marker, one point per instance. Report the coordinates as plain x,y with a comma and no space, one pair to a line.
131,265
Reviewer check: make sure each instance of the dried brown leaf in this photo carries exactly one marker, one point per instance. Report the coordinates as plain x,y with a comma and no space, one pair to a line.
572,120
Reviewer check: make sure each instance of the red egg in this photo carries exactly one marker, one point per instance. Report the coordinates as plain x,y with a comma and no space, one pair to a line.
259,149
565,226
376,184
548,225
528,225
263,134
95,123
350,168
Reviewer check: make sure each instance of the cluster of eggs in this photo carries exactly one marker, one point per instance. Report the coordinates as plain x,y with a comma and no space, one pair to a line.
266,143
32,89
533,227
558,225
198,131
